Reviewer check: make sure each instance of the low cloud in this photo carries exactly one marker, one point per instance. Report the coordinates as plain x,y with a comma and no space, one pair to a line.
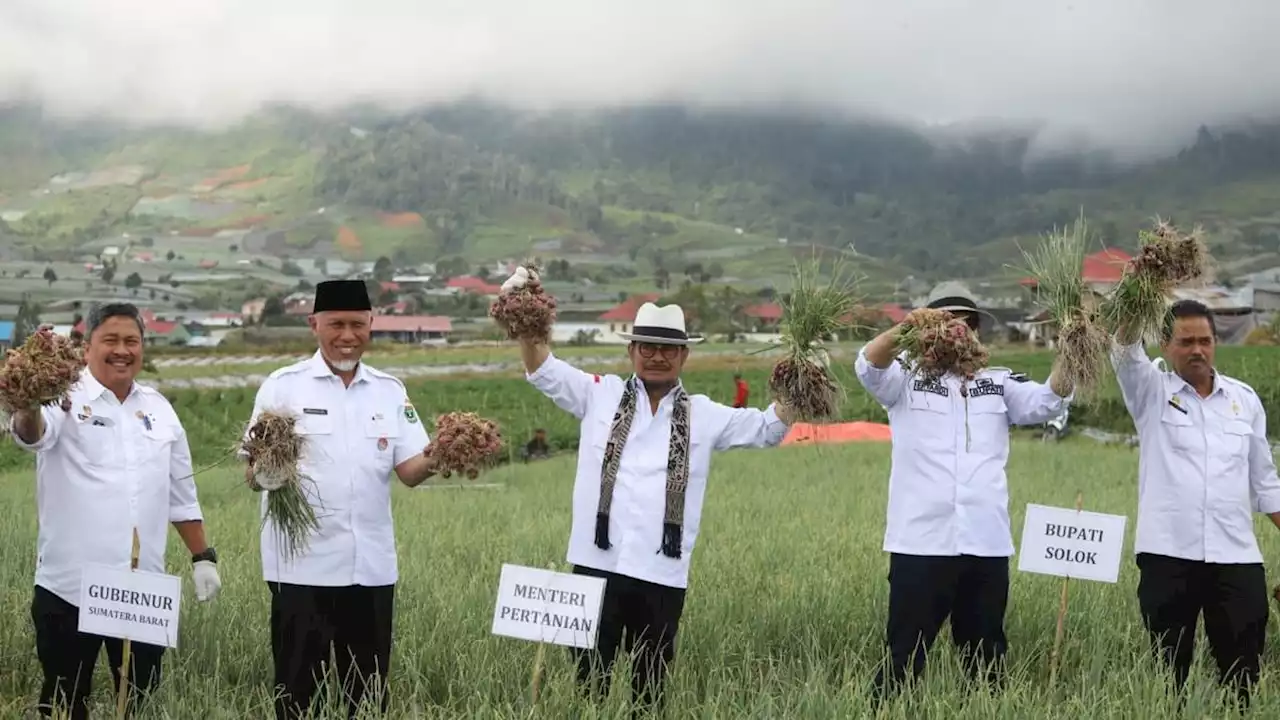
1135,75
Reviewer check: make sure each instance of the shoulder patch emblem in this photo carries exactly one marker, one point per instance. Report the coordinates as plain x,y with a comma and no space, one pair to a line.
596,378
410,413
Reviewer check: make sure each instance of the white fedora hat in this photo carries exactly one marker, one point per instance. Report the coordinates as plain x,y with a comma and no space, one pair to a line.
660,326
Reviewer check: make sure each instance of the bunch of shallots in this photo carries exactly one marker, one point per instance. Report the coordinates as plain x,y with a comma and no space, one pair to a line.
274,448
39,373
463,443
806,386
526,312
814,311
1168,258
937,343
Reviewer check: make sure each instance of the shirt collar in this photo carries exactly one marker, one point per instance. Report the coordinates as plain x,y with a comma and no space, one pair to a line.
94,390
1176,384
640,387
321,369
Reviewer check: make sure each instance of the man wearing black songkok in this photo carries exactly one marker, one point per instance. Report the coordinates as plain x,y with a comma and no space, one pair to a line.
338,592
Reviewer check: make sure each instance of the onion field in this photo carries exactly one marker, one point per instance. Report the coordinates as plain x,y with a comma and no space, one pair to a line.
787,599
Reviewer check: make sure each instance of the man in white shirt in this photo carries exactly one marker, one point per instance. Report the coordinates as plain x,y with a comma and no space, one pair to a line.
358,425
1204,467
112,459
643,457
947,529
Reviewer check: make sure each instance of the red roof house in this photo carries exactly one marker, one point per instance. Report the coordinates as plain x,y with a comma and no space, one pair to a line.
622,315
1104,267
411,328
472,284
767,313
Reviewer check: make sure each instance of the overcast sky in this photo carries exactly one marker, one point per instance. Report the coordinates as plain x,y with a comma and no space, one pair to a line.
1136,74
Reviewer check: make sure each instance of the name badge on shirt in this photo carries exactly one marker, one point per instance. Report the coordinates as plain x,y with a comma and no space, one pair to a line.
315,411
986,386
931,386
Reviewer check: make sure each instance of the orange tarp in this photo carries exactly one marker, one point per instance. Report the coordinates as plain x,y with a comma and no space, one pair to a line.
838,433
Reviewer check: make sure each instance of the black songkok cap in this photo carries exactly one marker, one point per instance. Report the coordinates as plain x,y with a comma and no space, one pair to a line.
341,295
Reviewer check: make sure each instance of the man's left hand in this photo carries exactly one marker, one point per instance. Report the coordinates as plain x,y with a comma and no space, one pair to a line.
204,575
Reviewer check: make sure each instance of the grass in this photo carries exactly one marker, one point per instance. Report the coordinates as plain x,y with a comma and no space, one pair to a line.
784,617
506,355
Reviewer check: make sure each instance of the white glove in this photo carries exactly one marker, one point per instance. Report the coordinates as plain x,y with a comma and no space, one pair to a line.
518,279
205,577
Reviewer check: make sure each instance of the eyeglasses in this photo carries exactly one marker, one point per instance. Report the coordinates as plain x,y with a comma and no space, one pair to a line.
669,352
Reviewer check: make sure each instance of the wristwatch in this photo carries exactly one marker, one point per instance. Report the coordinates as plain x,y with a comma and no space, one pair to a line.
209,554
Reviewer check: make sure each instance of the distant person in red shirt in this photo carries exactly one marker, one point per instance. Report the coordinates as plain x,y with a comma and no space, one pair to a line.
740,400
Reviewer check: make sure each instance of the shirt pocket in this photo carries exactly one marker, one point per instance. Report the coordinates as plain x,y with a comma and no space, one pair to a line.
156,445
1179,431
988,421
96,446
1234,447
316,432
381,434
929,424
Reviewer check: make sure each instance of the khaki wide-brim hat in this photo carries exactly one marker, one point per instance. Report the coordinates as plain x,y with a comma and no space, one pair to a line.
958,303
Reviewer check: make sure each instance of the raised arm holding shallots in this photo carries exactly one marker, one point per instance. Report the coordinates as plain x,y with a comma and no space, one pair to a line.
40,372
1168,258
1057,266
802,380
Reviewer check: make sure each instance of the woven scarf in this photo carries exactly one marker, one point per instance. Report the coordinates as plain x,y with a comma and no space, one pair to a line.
677,468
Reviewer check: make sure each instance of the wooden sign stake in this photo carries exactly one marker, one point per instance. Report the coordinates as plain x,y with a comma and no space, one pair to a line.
123,696
539,658
1062,612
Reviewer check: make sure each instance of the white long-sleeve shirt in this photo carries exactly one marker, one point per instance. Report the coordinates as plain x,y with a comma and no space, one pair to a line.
639,494
354,437
1204,464
948,494
103,469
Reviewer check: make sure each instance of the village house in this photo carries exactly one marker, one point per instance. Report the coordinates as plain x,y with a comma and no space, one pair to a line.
623,315
416,329
251,310
6,334
157,331
472,284
299,303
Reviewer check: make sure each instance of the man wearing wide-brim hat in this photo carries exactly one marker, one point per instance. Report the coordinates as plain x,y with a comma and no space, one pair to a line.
947,527
643,458
959,303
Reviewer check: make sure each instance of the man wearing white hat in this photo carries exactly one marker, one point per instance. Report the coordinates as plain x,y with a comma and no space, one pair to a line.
947,531
642,473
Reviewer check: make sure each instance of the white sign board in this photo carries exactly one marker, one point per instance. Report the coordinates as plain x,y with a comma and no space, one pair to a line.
1072,543
130,604
546,606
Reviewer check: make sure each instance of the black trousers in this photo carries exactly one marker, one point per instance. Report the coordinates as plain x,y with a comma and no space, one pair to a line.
68,658
1172,593
636,617
307,622
923,592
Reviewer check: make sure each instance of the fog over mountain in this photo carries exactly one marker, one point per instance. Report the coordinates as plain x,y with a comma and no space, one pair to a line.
1133,76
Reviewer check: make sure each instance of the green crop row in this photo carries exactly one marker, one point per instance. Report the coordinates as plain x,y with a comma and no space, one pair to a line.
214,419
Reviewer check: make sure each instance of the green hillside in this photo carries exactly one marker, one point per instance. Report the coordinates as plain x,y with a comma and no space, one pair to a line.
630,198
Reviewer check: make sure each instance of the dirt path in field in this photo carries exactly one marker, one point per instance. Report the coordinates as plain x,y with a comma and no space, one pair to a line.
402,371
